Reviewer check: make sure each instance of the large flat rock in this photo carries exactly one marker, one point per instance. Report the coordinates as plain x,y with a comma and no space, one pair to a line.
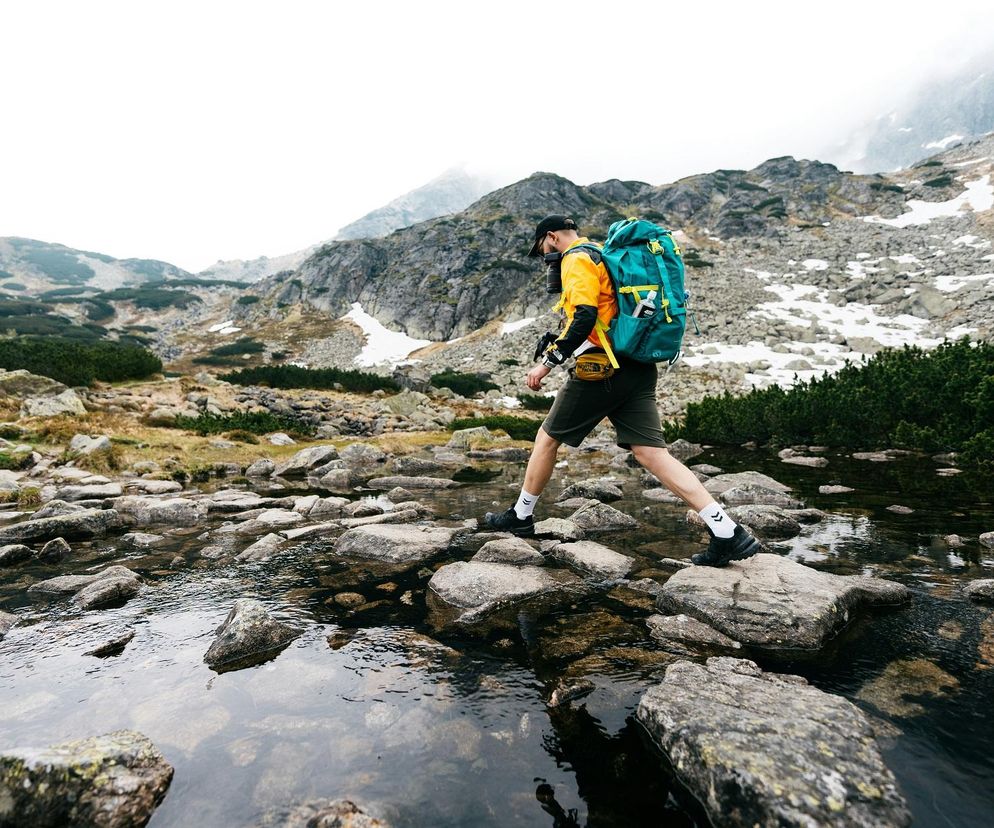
87,523
594,559
761,749
468,591
395,543
772,602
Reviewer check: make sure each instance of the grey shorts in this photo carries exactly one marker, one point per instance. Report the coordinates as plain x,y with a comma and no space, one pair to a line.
628,400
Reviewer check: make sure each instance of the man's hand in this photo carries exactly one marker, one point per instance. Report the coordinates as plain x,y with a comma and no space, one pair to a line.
536,375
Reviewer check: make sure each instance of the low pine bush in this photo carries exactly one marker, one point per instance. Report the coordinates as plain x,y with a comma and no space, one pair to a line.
936,400
292,376
517,428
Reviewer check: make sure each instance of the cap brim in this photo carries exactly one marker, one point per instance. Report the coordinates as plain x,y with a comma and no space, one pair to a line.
534,251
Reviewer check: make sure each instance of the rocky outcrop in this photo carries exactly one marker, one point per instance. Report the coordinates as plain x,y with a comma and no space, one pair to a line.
765,749
774,603
117,779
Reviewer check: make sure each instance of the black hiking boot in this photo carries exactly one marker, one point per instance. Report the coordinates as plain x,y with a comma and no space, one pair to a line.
509,522
721,551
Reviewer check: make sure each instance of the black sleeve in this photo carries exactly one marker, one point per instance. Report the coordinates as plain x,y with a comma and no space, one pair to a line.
580,327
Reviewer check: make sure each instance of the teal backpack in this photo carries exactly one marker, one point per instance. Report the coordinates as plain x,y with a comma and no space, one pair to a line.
642,257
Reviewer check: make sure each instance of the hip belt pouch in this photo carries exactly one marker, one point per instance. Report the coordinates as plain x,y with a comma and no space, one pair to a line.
593,367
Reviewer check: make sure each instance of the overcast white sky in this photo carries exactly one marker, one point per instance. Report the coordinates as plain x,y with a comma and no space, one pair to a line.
197,131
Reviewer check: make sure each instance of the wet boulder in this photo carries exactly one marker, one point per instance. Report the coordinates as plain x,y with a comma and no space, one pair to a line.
395,543
684,635
769,521
13,553
599,517
86,523
110,590
509,550
71,584
385,483
265,547
760,748
980,590
97,492
339,813
723,482
465,592
55,550
594,559
7,621
117,779
600,490
771,602
753,493
249,635
560,529
175,511
263,467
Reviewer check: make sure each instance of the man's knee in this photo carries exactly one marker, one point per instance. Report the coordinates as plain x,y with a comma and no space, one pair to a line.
645,454
544,442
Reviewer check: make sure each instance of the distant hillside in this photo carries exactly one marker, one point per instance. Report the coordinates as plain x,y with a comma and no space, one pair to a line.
934,117
31,266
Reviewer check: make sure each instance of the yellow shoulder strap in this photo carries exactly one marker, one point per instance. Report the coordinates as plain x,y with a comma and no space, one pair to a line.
601,329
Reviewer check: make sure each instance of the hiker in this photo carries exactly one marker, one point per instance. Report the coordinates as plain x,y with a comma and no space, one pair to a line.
625,394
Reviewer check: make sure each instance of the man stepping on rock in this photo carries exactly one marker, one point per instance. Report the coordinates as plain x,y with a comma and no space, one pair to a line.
627,398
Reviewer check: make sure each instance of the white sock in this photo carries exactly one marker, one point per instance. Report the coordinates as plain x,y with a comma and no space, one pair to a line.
525,505
717,520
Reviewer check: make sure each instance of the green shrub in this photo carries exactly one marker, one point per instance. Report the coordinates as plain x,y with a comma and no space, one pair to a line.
245,345
154,298
938,400
465,384
257,422
78,363
248,299
292,376
517,428
939,181
510,361
13,462
536,402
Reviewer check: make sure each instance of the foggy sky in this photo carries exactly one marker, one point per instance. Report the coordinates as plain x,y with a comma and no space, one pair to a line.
192,132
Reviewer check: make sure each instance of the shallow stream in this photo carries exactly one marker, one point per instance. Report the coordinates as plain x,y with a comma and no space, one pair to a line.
432,728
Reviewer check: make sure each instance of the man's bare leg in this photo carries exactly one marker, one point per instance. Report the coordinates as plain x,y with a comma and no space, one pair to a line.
673,475
728,541
541,463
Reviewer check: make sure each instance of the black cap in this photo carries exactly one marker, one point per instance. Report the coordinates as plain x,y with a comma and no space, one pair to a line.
548,225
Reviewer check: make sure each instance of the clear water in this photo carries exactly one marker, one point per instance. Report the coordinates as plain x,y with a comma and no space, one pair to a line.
434,728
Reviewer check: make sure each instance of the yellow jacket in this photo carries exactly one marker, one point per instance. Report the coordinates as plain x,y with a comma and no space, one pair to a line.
585,285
